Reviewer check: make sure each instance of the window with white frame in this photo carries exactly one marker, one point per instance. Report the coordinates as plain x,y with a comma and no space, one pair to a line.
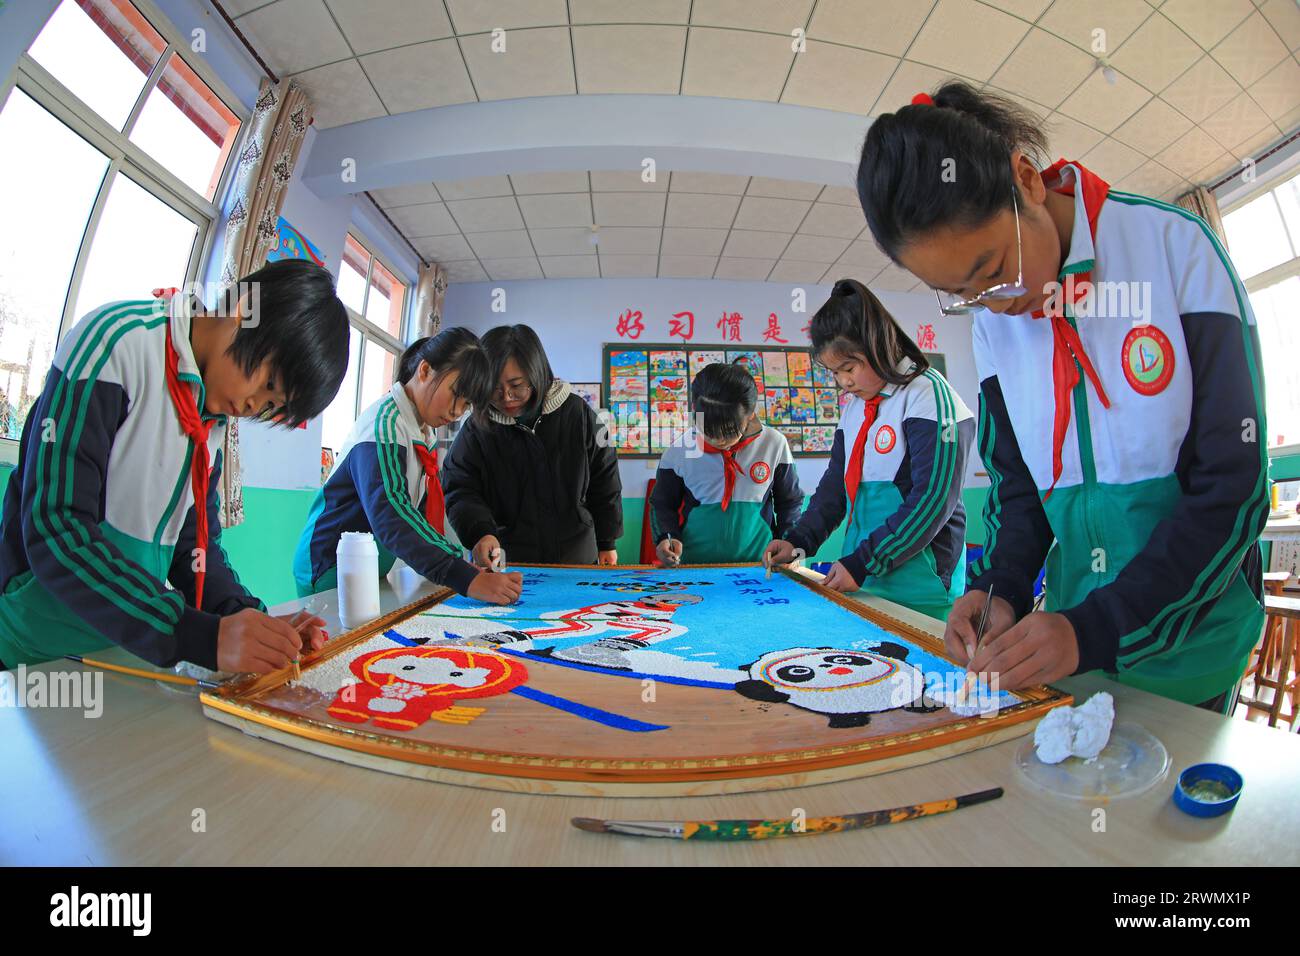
376,301
115,149
1264,242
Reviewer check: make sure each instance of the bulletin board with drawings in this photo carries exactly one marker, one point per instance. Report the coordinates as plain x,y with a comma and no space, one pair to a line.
646,389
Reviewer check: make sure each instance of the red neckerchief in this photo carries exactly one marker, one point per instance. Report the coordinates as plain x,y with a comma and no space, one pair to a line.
730,468
434,508
197,430
1068,354
853,473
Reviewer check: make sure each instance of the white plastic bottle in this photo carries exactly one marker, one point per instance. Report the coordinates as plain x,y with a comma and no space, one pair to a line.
358,578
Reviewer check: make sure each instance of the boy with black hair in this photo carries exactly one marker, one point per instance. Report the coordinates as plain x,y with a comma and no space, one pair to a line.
113,498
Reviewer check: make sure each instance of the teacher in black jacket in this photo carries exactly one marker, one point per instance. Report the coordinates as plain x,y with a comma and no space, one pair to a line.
533,473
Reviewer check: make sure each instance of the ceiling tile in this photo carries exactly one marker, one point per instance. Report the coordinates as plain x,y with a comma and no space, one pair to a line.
828,219
627,181
833,77
570,267
552,210
782,188
1116,19
1153,127
295,35
693,242
890,28
816,248
507,244
1156,54
443,248
757,212
629,240
1189,154
771,16
687,267
893,279
340,94
620,11
1024,9
629,59
1253,146
629,267
1149,179
793,270
1044,68
908,80
1067,137
629,209
534,63
426,219
521,268
476,187
839,195
484,215
1201,91
948,39
1112,160
465,271
527,184
573,241
1284,15
1278,93
371,26
475,16
1251,50
744,243
419,77
863,253
709,183
408,195
237,8
702,209
1215,168
1103,106
755,269
730,63
1240,120
1207,21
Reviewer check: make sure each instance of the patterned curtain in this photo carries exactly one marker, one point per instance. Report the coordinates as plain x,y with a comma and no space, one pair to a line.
430,290
269,150
1202,202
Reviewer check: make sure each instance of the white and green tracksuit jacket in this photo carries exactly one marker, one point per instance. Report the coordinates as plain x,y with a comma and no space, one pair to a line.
906,537
1150,532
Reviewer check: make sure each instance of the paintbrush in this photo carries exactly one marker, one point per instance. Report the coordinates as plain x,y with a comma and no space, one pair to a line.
964,691
730,830
138,672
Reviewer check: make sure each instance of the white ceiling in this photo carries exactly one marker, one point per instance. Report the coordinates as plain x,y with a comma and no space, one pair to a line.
1202,84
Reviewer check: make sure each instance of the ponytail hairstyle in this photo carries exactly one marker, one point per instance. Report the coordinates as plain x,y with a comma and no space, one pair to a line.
901,185
521,343
455,349
853,321
724,396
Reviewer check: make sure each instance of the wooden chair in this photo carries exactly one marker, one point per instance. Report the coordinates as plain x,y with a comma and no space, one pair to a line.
1275,665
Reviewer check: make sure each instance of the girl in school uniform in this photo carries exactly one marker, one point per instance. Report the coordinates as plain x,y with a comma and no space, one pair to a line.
721,495
897,463
536,476
1121,402
386,481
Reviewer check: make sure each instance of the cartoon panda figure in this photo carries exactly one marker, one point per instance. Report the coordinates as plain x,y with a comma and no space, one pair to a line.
847,686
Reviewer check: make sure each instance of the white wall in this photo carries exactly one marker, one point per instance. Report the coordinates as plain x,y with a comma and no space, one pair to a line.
576,317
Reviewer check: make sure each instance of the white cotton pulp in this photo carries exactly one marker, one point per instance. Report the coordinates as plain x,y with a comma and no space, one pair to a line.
1081,731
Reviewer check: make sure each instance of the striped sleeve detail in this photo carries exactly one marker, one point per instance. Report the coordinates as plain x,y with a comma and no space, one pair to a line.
391,471
942,470
89,557
993,500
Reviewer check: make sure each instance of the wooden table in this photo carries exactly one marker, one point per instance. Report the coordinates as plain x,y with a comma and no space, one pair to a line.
128,786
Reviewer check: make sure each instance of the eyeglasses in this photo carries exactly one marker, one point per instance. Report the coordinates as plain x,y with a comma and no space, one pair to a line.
1003,290
515,392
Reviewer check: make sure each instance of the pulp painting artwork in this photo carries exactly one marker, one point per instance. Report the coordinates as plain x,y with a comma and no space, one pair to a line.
626,675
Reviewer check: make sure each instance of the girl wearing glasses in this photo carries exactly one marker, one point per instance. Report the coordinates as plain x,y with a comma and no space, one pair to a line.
536,477
897,463
1121,409
386,480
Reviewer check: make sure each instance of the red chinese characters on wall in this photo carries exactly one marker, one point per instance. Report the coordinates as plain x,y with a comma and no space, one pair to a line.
629,324
925,337
677,328
729,326
773,331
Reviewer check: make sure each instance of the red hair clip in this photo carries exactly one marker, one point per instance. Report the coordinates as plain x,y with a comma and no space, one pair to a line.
922,99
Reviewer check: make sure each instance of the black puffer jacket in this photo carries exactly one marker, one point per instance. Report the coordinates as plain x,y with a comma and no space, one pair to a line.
550,494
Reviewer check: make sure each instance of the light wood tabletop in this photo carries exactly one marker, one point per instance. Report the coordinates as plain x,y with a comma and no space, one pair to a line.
152,781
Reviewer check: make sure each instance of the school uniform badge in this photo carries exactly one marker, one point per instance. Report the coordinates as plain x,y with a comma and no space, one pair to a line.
759,472
1148,359
885,438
